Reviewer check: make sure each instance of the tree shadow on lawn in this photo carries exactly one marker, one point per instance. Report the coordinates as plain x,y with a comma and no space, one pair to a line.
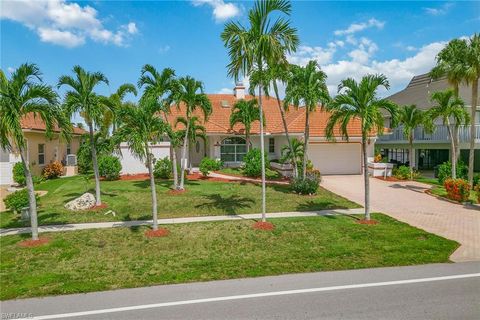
409,187
318,205
168,184
228,204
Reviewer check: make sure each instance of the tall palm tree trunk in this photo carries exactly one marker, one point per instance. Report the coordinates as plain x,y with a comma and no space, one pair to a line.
173,156
32,201
305,147
95,166
184,159
453,150
262,154
247,139
153,190
365,178
471,156
410,154
285,127
190,157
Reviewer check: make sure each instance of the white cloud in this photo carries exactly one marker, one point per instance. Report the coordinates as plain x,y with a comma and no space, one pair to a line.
306,53
221,10
64,23
357,27
225,91
439,11
164,49
10,69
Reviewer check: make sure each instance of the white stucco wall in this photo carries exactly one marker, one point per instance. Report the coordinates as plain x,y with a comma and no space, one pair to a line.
132,165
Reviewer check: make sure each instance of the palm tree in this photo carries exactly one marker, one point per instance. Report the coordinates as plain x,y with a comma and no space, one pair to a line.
307,86
472,75
449,107
117,103
245,112
411,117
82,98
141,127
359,100
161,86
195,131
451,63
262,44
20,95
190,94
294,152
273,74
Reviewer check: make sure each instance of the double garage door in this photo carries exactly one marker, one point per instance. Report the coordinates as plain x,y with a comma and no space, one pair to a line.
336,158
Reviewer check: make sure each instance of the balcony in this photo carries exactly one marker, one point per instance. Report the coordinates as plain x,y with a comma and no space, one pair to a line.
440,134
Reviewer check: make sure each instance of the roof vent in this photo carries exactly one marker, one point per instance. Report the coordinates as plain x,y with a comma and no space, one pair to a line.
225,104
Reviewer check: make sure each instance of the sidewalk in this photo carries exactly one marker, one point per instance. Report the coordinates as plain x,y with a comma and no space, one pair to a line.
117,224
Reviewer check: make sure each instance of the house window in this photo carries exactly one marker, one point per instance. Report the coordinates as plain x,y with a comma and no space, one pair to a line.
41,153
69,149
271,145
233,149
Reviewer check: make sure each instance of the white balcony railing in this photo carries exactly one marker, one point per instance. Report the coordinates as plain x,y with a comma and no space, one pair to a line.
440,134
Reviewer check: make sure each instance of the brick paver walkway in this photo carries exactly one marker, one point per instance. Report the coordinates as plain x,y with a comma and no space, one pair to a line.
408,202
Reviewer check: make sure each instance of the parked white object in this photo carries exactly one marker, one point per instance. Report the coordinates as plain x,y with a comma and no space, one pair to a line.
380,169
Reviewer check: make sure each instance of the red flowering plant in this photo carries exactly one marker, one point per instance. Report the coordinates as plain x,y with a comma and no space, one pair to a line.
457,189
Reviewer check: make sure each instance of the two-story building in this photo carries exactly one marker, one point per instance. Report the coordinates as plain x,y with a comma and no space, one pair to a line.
431,149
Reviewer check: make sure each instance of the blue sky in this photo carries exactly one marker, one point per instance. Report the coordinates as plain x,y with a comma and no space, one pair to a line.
399,39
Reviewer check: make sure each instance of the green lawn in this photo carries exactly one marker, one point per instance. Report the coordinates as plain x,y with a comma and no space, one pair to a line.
131,201
93,260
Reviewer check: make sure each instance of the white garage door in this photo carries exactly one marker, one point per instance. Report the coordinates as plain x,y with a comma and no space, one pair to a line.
336,158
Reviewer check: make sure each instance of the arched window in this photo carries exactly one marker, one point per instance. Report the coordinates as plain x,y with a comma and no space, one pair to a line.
233,149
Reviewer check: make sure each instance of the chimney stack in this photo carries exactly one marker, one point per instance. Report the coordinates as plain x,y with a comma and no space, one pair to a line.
239,91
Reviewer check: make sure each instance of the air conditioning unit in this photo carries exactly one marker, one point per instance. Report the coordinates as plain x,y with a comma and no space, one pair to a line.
71,159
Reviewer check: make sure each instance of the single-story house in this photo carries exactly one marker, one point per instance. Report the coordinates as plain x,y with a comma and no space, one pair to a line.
40,149
430,149
228,144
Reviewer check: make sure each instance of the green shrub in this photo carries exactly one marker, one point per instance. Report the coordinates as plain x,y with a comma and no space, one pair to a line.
17,200
477,192
209,164
476,180
253,163
84,158
445,171
19,173
109,167
403,173
163,169
309,185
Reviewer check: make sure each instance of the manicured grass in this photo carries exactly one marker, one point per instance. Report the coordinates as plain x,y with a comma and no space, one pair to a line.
432,181
269,173
131,201
93,260
440,191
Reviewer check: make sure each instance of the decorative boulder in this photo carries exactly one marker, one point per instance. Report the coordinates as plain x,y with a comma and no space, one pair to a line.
85,201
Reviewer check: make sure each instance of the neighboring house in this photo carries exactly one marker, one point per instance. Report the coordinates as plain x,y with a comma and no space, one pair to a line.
430,149
40,149
340,157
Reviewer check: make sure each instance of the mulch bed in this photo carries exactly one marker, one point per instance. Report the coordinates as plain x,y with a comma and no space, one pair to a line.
99,207
161,232
263,226
139,176
174,192
33,243
367,222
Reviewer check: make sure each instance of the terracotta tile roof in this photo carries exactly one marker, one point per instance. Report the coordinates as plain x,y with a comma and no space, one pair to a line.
219,120
32,122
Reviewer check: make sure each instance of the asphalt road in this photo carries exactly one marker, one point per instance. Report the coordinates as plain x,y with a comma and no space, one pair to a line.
437,291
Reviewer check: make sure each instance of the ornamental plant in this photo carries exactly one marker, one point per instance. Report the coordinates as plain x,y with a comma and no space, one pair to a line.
53,170
209,164
403,173
19,173
457,189
253,163
163,169
445,171
109,167
477,191
17,200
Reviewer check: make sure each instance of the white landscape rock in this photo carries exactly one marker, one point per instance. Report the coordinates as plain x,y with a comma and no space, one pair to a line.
85,201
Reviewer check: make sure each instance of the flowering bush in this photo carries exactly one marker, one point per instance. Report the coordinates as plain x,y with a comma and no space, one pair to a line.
457,189
378,158
477,191
53,170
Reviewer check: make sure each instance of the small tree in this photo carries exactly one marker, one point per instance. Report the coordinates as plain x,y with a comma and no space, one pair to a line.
245,112
140,128
448,107
359,100
21,95
195,132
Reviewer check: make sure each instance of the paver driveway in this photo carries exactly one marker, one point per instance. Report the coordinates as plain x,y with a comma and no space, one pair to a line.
408,202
